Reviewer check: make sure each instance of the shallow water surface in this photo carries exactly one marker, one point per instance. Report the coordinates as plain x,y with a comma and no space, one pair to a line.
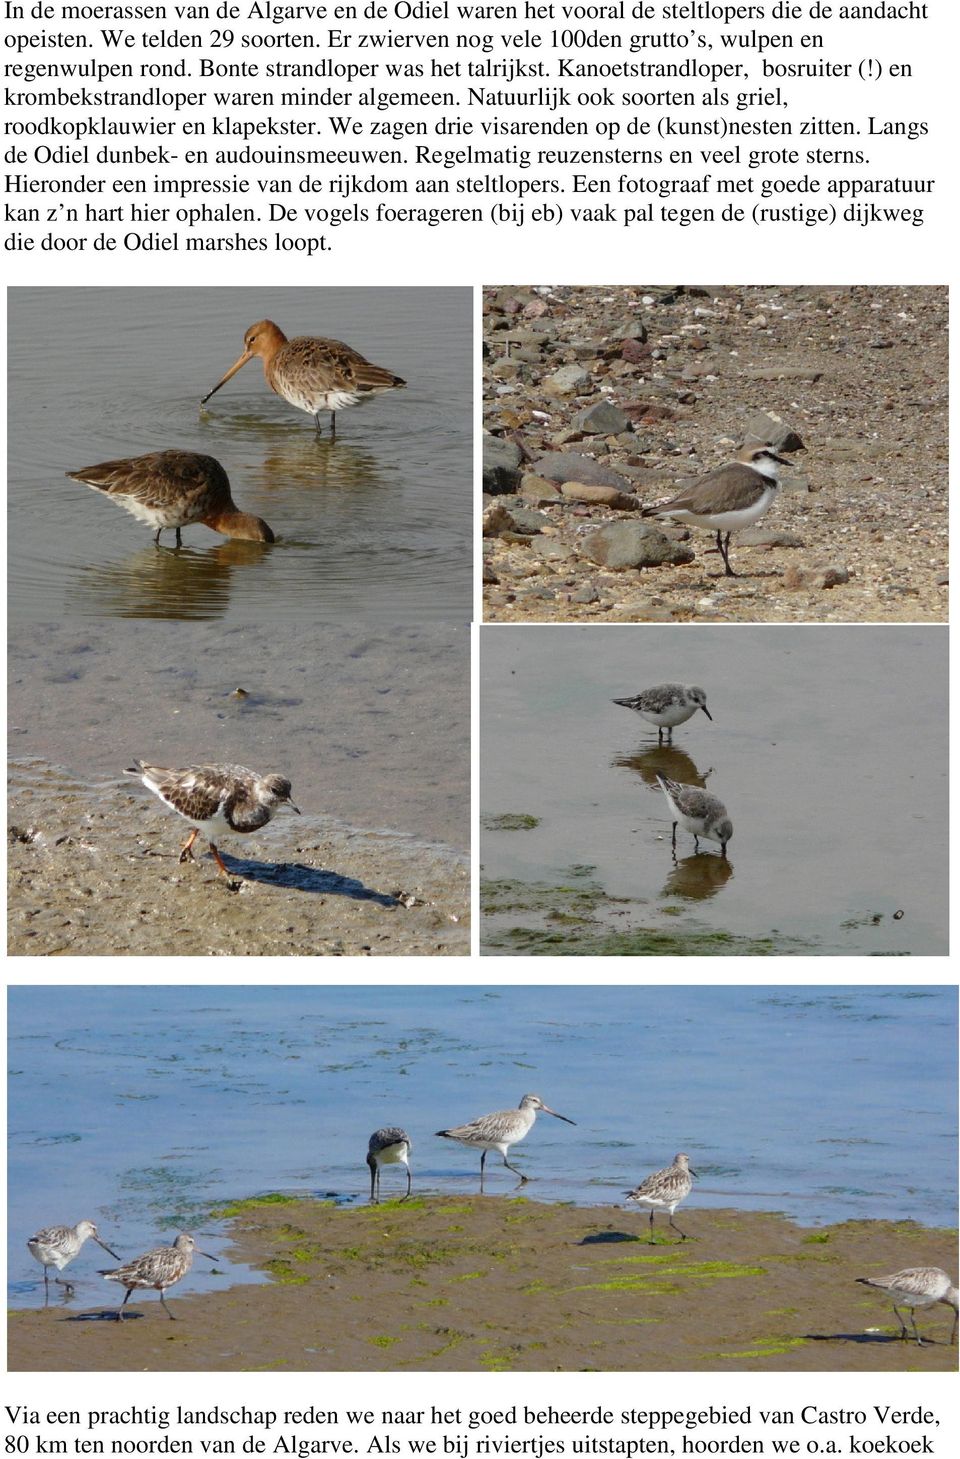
141,1108
374,525
828,747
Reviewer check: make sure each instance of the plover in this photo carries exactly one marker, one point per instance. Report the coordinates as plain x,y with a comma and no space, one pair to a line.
667,705
918,1287
215,799
665,1190
728,499
174,489
389,1146
58,1245
311,373
697,812
157,1269
500,1130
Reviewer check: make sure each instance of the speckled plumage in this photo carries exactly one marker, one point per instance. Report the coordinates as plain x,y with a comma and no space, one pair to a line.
388,1146
157,1270
58,1245
699,813
500,1130
667,705
665,1190
918,1287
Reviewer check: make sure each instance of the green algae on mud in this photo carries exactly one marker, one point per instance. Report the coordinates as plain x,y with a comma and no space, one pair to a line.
510,821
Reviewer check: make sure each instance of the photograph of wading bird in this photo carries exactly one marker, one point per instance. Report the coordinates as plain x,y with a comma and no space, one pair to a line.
697,812
216,799
389,1146
667,705
918,1287
58,1245
728,499
310,372
500,1130
156,1270
173,489
665,1190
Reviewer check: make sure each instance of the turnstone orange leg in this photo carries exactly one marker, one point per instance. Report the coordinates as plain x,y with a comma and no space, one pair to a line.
219,859
186,850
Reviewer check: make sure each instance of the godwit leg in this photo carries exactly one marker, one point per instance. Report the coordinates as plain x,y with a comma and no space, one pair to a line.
186,850
333,425
179,538
375,1171
483,1161
123,1304
156,540
46,1288
166,1309
683,1234
652,1241
223,867
409,1183
523,1178
674,841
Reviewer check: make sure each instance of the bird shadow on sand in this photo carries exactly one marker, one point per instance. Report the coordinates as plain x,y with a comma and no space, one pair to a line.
108,1314
869,1337
300,878
607,1238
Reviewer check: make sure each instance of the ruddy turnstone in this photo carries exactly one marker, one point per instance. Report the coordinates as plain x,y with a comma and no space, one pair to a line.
500,1130
157,1269
697,812
312,373
728,499
665,1190
667,705
174,489
920,1286
215,799
58,1245
390,1146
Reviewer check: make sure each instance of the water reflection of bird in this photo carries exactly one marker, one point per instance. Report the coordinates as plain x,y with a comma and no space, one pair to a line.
173,489
310,372
185,584
305,464
697,878
663,760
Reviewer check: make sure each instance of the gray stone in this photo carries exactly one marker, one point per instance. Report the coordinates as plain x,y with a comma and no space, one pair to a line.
603,496
587,594
551,550
538,490
773,431
501,460
634,544
568,380
561,466
601,419
525,520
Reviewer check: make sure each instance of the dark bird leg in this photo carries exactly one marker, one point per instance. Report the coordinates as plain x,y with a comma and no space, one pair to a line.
123,1304
156,539
219,859
166,1308
652,1238
696,845
333,425
523,1178
179,538
673,843
409,1184
374,1172
682,1234
186,850
62,1282
903,1326
46,1288
724,550
483,1161
659,734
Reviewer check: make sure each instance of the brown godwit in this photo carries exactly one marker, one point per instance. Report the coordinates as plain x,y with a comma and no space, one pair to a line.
174,489
311,373
158,1269
665,1190
216,798
500,1130
389,1146
58,1245
918,1287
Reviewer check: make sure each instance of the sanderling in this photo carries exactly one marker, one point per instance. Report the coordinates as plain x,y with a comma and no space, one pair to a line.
665,1190
667,705
728,499
500,1130
312,373
174,489
58,1245
215,799
697,812
156,1269
389,1146
920,1286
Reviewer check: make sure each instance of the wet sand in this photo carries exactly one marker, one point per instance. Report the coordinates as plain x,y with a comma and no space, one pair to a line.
501,1283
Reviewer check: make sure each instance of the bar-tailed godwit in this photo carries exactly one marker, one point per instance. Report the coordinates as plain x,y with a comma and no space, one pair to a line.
665,1190
500,1130
666,705
389,1146
920,1286
58,1245
312,373
174,489
157,1269
216,798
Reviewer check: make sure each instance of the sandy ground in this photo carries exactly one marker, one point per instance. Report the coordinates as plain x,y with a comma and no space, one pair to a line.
860,374
97,873
501,1283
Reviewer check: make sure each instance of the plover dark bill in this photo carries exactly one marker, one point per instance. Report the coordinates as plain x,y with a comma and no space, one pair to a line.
174,489
156,1270
697,812
920,1286
500,1130
389,1146
312,373
216,799
665,1190
667,705
58,1245
728,499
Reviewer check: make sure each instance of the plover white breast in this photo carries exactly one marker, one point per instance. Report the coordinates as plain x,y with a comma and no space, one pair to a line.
500,1130
665,1190
216,799
697,812
728,499
58,1245
667,705
157,1270
918,1287
389,1146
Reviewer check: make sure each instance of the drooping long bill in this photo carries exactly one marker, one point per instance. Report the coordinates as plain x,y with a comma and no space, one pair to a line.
244,359
548,1111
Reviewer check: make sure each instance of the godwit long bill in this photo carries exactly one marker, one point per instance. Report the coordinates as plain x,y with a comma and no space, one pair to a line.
500,1130
310,372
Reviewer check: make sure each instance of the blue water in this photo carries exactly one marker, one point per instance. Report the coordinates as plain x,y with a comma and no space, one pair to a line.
140,1108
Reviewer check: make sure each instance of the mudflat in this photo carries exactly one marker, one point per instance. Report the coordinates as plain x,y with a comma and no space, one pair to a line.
501,1283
